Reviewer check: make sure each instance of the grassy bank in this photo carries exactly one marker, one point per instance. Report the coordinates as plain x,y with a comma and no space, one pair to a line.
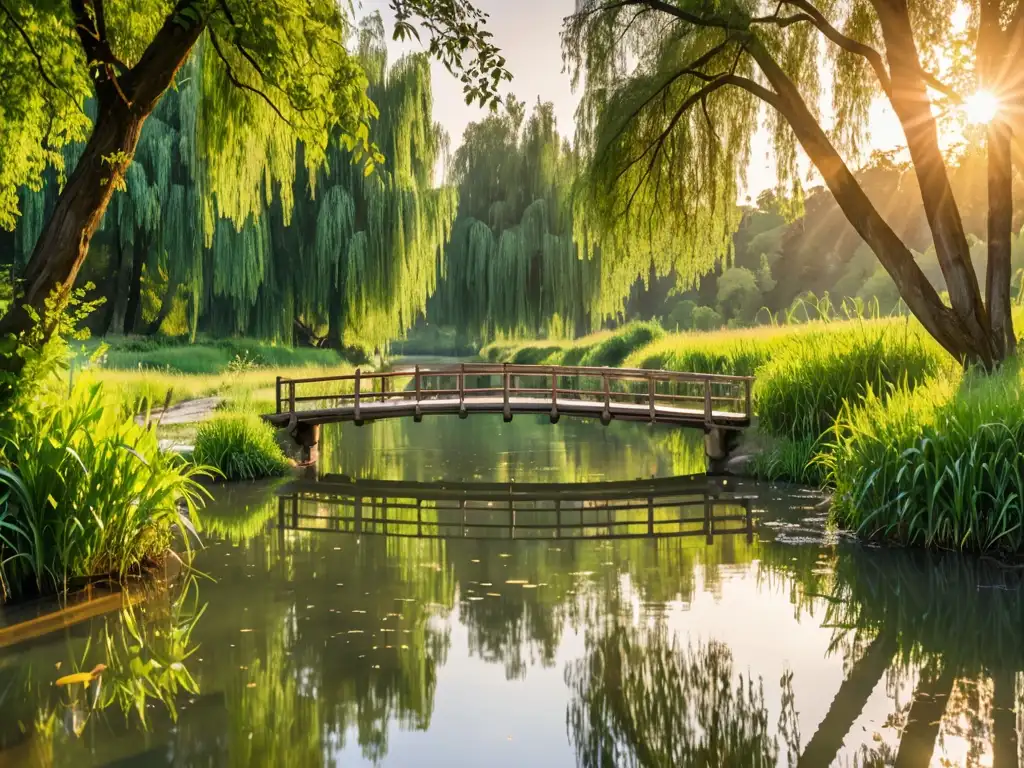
85,493
212,356
916,451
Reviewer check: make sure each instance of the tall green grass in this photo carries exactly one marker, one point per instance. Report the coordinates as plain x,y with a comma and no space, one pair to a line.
803,387
85,493
940,466
241,446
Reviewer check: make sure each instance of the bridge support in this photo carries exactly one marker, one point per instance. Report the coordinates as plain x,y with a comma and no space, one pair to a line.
719,444
307,440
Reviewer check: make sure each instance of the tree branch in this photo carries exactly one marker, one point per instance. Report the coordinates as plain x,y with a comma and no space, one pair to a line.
848,44
239,84
28,42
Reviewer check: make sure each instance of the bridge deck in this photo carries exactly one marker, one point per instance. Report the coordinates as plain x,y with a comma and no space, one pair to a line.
685,399
398,407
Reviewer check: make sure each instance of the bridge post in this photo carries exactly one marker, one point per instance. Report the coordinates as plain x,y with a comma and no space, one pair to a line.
719,443
277,397
650,397
606,413
463,413
307,437
554,395
356,410
293,419
507,410
418,413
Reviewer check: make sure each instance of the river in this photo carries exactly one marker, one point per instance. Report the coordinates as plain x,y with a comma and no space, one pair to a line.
452,618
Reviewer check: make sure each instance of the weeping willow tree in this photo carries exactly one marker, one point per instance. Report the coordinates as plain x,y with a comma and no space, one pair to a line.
675,90
275,73
513,266
346,252
332,247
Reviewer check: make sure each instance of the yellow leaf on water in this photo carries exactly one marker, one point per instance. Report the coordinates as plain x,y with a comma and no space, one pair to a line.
517,581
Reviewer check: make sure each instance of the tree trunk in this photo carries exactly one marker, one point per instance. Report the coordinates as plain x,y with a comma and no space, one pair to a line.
931,697
944,325
112,311
1005,747
849,702
913,107
173,283
123,107
134,309
998,76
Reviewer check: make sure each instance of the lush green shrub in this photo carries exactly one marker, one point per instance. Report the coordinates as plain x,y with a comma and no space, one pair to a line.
613,350
241,446
85,493
803,387
940,466
537,354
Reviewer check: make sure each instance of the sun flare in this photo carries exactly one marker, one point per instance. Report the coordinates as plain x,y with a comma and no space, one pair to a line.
981,107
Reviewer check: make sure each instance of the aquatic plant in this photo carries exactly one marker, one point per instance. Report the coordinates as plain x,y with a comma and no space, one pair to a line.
85,493
939,466
241,446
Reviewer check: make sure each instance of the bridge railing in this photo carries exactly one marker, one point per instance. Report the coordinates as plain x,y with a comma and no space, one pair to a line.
721,399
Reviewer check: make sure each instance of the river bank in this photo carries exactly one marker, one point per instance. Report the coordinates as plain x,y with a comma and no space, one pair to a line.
917,451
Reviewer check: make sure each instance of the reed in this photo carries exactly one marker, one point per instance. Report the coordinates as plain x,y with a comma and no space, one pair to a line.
86,494
941,466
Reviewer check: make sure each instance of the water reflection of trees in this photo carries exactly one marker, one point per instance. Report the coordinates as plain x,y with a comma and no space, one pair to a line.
531,450
348,635
640,698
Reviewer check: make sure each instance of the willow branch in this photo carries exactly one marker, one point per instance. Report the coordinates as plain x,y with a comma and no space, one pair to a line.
848,44
28,42
244,86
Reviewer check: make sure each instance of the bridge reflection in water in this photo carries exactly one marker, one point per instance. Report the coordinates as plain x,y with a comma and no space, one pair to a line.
680,506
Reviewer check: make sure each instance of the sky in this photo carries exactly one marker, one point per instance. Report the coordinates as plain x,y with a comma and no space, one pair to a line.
528,34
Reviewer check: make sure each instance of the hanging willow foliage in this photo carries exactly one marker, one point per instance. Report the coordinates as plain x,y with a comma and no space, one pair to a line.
256,235
348,253
513,265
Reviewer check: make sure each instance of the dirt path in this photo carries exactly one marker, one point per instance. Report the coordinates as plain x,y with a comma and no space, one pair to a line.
188,412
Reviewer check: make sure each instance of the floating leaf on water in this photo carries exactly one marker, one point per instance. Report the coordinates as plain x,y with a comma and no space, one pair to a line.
504,554
529,586
246,630
474,561
486,584
358,611
250,685
517,581
494,594
474,598
355,631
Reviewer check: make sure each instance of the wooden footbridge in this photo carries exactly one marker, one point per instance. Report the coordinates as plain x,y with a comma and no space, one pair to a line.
703,401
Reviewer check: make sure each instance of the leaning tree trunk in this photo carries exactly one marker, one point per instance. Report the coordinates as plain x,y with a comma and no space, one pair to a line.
961,339
123,106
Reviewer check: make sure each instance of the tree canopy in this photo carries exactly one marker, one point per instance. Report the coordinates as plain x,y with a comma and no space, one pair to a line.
675,90
272,74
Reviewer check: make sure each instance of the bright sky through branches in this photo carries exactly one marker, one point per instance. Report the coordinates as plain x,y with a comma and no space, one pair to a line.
529,34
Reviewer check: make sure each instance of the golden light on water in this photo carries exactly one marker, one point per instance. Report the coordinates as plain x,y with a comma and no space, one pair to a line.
981,107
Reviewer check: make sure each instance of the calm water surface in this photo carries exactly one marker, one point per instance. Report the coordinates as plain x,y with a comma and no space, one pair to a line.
471,635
